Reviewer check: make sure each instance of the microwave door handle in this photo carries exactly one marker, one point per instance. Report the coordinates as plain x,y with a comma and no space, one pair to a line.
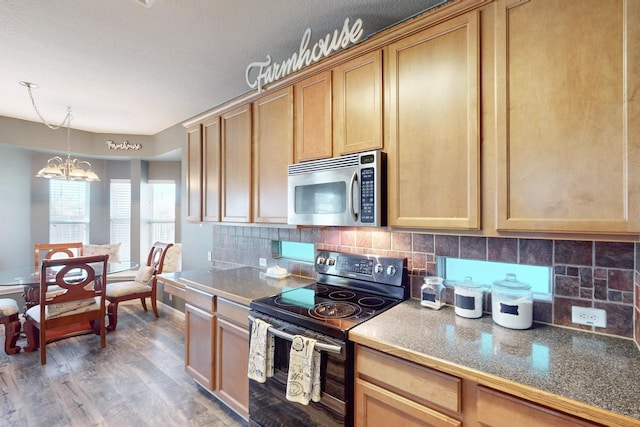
352,184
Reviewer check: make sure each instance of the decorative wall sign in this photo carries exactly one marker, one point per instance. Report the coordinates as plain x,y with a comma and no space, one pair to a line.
124,145
259,74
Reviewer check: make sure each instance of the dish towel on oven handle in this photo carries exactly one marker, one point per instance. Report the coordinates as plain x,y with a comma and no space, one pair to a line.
303,382
260,352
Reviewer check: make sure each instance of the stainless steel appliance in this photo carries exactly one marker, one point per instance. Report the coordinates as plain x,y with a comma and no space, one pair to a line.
350,289
341,191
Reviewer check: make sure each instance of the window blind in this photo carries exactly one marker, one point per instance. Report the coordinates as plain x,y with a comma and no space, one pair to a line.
68,211
120,216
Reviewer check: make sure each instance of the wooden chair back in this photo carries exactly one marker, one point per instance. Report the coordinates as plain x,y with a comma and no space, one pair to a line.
72,291
54,250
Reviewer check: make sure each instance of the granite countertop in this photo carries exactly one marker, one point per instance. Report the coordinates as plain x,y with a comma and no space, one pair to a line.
598,370
241,285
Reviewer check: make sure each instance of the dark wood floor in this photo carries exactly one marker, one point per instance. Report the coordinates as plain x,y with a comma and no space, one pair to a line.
137,380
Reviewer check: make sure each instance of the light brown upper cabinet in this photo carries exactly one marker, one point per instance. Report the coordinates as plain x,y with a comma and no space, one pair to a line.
273,152
432,122
236,165
194,173
313,117
211,169
568,107
357,104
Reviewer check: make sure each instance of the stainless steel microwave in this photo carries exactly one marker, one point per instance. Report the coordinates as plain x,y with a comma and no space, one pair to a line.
341,191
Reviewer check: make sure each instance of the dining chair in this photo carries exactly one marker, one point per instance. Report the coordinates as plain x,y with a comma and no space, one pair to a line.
55,250
72,292
49,251
9,318
143,286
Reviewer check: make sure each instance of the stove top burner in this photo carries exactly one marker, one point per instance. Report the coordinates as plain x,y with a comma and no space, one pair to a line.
334,310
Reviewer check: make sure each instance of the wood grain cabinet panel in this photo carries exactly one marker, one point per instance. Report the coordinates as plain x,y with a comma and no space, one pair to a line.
194,173
357,104
432,122
200,330
499,409
313,117
236,165
233,359
567,129
211,169
273,152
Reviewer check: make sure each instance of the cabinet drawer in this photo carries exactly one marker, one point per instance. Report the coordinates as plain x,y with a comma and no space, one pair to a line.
234,312
495,408
415,382
200,299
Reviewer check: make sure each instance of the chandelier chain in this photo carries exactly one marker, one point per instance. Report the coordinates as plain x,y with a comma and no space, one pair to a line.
65,122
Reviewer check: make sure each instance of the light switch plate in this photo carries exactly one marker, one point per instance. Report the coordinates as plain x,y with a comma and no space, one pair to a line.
589,316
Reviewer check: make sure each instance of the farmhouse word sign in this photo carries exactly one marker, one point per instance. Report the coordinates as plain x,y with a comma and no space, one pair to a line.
259,74
124,145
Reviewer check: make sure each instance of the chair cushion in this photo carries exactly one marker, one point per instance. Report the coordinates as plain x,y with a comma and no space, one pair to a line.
112,250
144,274
173,259
8,307
65,308
119,289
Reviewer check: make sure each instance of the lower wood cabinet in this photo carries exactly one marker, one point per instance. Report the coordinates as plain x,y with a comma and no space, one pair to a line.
233,356
200,345
217,347
496,408
390,390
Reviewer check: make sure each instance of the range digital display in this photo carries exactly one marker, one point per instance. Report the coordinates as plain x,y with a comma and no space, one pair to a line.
360,266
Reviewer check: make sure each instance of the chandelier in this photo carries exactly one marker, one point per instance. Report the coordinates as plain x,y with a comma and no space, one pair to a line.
58,167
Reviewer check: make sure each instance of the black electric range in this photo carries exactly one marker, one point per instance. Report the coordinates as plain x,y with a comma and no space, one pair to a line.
350,289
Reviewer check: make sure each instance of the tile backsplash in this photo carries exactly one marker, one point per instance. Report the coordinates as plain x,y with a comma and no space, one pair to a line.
586,273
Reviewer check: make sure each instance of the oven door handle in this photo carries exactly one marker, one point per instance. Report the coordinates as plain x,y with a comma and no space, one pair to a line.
319,346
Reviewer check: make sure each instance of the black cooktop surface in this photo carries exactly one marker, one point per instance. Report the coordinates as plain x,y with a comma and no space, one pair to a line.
324,308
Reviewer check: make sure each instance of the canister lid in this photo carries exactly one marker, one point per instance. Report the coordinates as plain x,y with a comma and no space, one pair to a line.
511,282
469,283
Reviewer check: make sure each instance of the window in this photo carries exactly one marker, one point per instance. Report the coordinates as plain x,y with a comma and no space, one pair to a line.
487,272
120,216
296,251
68,211
159,223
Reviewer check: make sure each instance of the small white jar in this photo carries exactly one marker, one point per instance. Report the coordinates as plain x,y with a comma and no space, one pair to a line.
431,292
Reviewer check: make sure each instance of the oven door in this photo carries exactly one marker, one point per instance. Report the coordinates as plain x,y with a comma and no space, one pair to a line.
268,405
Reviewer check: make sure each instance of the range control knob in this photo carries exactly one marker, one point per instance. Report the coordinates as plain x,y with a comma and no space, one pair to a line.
391,270
320,260
331,261
379,268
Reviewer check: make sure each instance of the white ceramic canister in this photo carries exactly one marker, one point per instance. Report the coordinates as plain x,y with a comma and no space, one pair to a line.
467,298
431,292
512,303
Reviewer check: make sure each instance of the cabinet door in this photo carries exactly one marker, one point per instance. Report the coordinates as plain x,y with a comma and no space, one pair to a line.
377,406
497,409
433,139
313,117
211,169
236,165
233,360
194,173
357,104
567,108
273,152
200,345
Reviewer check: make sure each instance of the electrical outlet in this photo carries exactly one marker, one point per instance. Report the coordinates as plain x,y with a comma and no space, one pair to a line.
589,316
262,262
209,256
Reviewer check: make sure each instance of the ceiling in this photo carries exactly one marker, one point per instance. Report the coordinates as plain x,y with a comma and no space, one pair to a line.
126,68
